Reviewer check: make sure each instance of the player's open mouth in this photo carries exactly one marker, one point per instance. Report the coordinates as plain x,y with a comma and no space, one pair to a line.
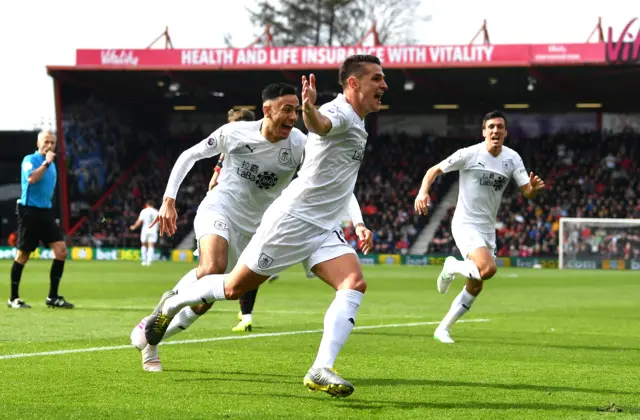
287,127
378,97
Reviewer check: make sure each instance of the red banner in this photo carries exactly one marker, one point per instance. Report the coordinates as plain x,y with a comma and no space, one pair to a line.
306,57
626,50
309,58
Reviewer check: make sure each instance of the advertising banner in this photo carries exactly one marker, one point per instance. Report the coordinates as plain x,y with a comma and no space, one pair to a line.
389,259
392,56
186,256
623,50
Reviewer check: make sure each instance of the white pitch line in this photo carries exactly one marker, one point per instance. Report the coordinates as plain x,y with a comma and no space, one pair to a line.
319,312
150,307
225,338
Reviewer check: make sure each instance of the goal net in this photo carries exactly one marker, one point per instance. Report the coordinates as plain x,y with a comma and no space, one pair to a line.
599,243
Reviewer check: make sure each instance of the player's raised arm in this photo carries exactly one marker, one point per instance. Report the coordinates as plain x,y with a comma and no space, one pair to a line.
167,215
313,118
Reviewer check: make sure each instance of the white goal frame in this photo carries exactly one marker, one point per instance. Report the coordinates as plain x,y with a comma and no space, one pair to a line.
600,221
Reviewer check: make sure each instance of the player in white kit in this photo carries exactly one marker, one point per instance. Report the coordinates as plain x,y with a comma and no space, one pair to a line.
149,234
302,224
261,158
485,171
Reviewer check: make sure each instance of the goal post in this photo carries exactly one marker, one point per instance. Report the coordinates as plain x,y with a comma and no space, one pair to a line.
596,242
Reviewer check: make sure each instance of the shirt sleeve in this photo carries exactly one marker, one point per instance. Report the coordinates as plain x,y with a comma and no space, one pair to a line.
141,217
520,172
455,162
213,145
28,166
354,211
339,121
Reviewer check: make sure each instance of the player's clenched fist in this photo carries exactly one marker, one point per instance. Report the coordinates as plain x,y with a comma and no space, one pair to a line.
167,217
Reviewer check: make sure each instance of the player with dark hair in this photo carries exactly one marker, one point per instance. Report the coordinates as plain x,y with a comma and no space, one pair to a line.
36,222
261,158
302,225
485,170
149,234
248,300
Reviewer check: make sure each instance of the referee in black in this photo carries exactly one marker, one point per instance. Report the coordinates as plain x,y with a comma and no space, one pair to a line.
36,222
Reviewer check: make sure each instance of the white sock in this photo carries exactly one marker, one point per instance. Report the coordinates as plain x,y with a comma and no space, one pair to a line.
143,256
150,256
186,280
150,354
247,318
206,290
461,304
181,322
466,268
338,323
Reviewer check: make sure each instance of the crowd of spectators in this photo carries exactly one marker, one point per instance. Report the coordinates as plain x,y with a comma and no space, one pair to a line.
389,181
587,175
101,143
108,225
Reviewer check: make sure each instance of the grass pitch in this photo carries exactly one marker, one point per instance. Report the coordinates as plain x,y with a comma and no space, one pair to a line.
555,344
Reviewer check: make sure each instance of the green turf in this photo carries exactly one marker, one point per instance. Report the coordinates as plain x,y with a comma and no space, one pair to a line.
557,345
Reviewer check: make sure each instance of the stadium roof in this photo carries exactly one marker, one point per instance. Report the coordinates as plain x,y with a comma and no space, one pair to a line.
543,88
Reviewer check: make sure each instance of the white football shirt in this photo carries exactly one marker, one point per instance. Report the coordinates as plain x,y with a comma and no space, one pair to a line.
148,215
255,171
483,179
320,194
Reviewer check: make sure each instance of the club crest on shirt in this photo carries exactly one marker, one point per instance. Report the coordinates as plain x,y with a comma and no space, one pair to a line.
507,165
284,156
264,261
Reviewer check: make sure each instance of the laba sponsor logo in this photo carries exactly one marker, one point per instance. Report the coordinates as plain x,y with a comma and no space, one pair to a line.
118,58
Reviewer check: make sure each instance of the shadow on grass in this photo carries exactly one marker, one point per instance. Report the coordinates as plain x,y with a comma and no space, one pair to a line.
378,404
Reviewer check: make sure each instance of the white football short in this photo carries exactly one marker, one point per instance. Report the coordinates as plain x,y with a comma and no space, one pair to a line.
149,236
467,239
282,241
209,222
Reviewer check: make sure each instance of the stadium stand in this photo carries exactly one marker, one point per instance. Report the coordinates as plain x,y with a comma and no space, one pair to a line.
101,143
588,175
108,225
